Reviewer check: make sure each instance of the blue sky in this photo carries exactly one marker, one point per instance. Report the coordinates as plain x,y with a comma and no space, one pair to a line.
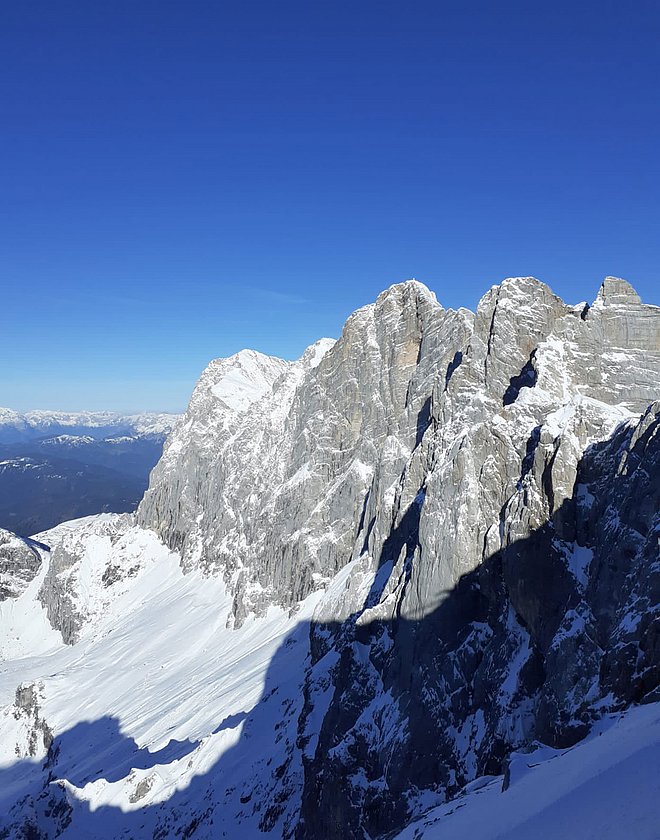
179,180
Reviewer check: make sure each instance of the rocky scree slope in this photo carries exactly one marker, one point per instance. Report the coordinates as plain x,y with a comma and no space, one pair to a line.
459,514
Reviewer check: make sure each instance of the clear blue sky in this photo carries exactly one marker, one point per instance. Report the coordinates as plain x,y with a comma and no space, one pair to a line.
183,179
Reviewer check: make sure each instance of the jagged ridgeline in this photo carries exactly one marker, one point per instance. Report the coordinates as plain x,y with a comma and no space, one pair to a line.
440,533
282,473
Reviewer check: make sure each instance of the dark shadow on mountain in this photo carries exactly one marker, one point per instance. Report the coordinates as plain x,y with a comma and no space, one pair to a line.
230,722
99,750
528,461
423,421
405,533
525,379
452,366
35,544
444,667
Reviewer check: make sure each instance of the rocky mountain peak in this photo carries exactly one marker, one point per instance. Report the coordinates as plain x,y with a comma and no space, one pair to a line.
394,564
405,378
407,290
395,306
615,291
313,355
228,386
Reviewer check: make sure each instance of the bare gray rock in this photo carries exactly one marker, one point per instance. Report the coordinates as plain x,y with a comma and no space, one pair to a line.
20,562
477,496
38,734
468,470
280,490
76,589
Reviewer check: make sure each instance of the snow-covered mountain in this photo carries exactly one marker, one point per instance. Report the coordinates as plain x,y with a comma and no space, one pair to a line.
32,425
408,585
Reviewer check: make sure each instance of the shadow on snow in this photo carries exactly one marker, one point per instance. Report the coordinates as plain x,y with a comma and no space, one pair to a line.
261,775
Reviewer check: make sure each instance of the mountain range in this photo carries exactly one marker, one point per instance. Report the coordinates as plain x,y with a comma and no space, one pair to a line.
407,586
74,464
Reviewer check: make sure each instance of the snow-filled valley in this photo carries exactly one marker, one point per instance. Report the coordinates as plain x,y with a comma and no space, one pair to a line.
407,586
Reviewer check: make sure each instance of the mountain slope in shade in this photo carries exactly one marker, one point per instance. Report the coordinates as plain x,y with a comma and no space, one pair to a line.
166,740
362,594
604,788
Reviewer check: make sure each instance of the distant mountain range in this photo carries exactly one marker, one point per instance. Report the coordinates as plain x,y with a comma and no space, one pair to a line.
33,425
74,464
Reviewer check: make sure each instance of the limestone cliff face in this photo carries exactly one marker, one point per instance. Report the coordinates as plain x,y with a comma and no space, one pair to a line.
472,500
323,459
488,486
556,625
276,504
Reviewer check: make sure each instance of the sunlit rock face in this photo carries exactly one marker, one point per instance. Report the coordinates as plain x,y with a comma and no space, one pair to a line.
384,568
19,565
466,468
275,495
312,464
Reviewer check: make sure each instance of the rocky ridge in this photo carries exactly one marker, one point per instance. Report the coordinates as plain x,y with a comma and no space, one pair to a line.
321,467
470,465
460,514
19,564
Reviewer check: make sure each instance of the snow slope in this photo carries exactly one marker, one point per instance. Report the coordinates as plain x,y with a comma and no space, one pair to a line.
605,788
247,380
155,694
162,715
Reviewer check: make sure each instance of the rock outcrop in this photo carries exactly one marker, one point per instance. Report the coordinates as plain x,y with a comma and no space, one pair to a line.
320,462
557,625
20,562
